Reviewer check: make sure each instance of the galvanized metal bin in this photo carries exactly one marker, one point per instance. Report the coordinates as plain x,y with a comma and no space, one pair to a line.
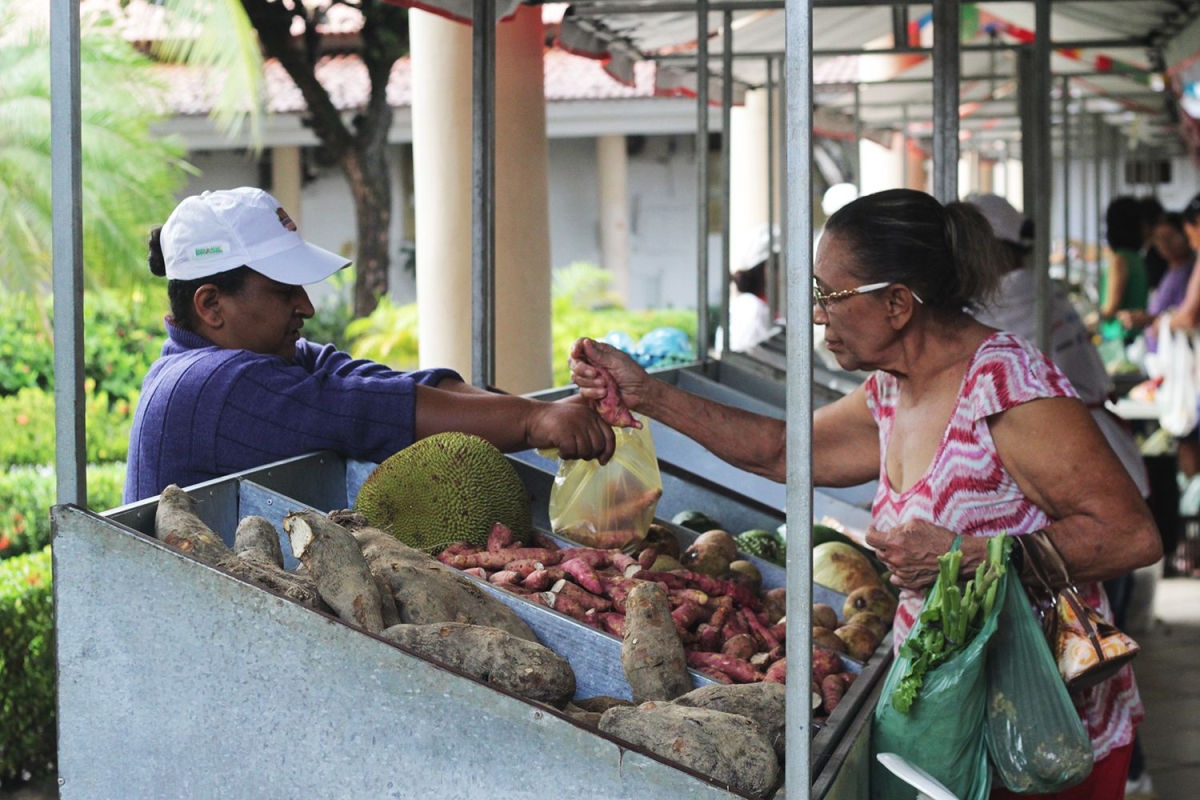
179,680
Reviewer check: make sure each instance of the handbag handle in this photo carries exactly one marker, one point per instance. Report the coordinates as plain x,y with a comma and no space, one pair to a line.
1040,549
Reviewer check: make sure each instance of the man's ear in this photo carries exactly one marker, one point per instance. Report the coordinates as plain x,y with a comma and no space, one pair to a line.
206,302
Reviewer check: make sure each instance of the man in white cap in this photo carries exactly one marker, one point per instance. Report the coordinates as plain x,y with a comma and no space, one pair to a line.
237,387
749,314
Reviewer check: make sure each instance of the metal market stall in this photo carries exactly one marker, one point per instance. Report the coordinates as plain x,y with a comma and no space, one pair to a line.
207,681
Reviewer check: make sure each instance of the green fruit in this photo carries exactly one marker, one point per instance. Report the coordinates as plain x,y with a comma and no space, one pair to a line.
445,488
763,544
696,521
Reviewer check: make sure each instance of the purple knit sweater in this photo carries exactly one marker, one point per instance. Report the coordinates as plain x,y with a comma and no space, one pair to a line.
206,412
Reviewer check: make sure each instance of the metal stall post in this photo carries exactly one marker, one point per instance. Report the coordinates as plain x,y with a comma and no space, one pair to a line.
798,133
66,187
483,185
772,259
856,154
702,178
726,158
1066,176
1097,136
947,21
904,144
1033,63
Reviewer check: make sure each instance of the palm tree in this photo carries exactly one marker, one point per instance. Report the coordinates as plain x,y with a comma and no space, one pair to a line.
128,176
216,35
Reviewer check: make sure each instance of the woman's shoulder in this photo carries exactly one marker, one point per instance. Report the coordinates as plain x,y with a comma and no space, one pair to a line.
1008,370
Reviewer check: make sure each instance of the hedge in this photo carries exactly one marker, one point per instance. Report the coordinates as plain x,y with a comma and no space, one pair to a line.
26,494
27,702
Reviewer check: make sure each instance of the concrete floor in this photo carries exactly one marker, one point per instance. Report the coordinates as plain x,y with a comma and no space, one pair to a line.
1168,675
1167,670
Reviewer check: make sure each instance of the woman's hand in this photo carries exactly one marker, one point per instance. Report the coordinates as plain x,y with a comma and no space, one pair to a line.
910,551
633,384
573,427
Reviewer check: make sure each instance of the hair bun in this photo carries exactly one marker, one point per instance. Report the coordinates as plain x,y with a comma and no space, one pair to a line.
155,258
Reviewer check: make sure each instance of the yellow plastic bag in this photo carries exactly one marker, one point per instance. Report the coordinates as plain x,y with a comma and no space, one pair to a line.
610,506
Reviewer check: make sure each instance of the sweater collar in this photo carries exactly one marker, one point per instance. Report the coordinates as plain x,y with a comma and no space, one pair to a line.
180,340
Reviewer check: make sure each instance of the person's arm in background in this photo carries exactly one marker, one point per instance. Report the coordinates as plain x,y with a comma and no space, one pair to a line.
1187,316
512,422
1118,274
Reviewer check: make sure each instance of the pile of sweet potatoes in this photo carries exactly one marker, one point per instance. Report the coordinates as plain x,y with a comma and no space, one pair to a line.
728,633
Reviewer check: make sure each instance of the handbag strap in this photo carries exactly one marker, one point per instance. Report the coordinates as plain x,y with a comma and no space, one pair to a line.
1043,556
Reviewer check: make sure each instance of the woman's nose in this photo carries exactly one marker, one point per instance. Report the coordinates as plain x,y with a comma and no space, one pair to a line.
820,315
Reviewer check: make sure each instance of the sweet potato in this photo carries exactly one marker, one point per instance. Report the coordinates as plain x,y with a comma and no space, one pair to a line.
565,604
177,524
581,595
596,559
708,639
500,558
501,537
775,604
740,670
686,615
332,557
524,567
610,407
729,748
517,665
542,579
584,574
832,689
427,591
617,590
543,541
505,577
760,631
824,662
717,675
762,702
741,646
651,653
777,672
613,622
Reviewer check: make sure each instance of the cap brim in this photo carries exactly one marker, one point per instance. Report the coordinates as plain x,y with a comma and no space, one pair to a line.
300,265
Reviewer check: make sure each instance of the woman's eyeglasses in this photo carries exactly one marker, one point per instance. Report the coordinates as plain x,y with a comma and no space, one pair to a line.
826,299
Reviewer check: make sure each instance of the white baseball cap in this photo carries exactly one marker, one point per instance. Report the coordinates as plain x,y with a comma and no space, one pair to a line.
759,246
220,231
1007,223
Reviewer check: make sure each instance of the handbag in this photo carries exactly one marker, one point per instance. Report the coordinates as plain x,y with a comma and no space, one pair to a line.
1087,649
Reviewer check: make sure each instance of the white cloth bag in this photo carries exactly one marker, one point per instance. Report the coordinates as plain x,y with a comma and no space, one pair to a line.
1177,396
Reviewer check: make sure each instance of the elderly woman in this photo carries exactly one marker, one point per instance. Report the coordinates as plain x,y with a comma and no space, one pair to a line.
238,386
968,430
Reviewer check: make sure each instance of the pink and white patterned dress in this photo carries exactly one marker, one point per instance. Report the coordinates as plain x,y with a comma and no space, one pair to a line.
967,490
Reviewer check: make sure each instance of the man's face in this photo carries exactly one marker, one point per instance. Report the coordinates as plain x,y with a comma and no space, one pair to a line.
266,316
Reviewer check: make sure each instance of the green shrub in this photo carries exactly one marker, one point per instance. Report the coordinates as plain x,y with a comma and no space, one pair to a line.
27,721
122,336
26,494
28,438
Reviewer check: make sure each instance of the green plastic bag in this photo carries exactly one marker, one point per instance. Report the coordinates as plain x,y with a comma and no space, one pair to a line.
1034,735
943,732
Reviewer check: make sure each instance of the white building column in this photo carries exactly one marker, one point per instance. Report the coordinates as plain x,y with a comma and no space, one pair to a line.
441,101
523,342
442,125
748,201
612,160
286,181
882,166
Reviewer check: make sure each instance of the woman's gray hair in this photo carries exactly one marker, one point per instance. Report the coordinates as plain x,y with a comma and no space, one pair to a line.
946,254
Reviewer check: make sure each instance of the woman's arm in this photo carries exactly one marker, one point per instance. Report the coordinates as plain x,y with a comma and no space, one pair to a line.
1187,316
1103,527
747,440
1118,274
511,422
845,442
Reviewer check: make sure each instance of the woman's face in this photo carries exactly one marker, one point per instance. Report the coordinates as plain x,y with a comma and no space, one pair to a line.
1193,235
265,317
856,328
1171,243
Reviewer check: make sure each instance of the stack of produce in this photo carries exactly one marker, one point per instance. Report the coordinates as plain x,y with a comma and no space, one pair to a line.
715,606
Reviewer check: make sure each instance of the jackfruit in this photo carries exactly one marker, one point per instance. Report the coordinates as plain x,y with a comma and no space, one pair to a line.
446,488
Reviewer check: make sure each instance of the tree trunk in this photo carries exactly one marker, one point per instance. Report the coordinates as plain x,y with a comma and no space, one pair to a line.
367,171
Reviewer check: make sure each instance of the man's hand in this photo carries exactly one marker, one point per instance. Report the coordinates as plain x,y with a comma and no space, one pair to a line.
574,428
622,390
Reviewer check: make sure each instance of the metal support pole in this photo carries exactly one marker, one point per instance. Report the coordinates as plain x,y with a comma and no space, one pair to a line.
772,259
1066,175
66,186
904,145
483,193
726,158
856,155
798,132
900,26
1114,163
702,332
947,20
1041,177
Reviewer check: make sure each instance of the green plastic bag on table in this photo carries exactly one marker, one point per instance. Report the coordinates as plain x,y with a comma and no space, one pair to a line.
943,731
1034,736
